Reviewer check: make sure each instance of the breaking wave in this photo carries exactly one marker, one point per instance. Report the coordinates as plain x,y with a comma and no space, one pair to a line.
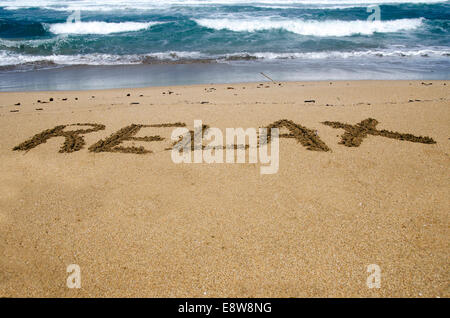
96,27
314,28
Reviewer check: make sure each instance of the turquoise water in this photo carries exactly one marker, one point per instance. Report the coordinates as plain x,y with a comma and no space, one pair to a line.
320,39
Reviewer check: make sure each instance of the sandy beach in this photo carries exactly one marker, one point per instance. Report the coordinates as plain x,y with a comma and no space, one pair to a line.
139,225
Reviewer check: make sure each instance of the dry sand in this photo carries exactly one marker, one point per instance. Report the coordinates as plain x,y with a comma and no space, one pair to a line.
140,225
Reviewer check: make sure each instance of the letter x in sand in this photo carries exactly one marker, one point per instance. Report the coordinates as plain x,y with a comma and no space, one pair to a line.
354,134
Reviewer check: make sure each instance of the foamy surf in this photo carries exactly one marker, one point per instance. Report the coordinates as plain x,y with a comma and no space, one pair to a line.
97,27
108,5
315,28
13,61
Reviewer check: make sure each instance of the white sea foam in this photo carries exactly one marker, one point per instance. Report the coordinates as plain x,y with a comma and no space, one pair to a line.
436,52
8,58
97,27
315,28
103,5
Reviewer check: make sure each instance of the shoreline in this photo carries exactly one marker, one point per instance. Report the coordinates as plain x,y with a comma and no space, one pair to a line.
263,80
81,77
139,225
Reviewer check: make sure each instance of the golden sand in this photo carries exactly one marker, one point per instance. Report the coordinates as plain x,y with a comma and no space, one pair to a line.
139,225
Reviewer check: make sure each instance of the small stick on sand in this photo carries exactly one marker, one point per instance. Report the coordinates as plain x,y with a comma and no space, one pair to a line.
267,77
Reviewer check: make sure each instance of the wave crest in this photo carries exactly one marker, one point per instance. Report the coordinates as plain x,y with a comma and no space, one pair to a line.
314,28
108,5
13,61
97,27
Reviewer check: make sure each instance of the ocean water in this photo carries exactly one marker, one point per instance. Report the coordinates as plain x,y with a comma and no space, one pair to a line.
228,40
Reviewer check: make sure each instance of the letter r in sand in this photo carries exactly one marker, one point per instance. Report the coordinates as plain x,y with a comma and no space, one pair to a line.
73,142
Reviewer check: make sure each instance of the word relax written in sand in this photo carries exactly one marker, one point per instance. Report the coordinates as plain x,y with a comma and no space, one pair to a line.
353,136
